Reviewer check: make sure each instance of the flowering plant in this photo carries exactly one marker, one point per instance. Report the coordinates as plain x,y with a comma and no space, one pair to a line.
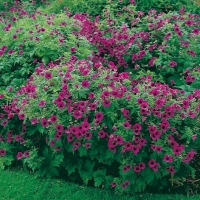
162,43
125,116
147,129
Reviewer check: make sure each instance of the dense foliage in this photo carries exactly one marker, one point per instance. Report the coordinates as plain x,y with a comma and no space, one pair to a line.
111,101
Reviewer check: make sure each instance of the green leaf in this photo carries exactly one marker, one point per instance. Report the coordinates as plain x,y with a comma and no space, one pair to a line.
87,171
40,128
72,163
99,177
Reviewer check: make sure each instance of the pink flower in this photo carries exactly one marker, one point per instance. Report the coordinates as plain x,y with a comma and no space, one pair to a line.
59,127
52,143
194,137
93,106
48,75
42,103
73,49
85,84
151,62
76,145
112,184
119,140
177,150
195,31
26,154
141,166
172,63
91,95
61,105
185,104
2,152
4,122
101,134
86,126
44,122
77,114
53,118
158,148
126,125
136,169
135,149
106,103
70,138
99,116
170,169
168,158
152,163
137,127
19,155
87,145
88,135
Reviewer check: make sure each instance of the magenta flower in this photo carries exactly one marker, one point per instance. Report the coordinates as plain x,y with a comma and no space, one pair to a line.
26,154
119,140
4,122
91,95
57,136
172,63
77,114
137,127
101,134
85,126
85,84
141,166
61,105
44,122
2,152
48,75
99,116
106,103
73,49
42,103
93,106
168,158
151,62
87,145
136,169
113,184
126,125
124,169
52,143
19,155
195,31
135,149
171,169
88,135
59,127
152,163
70,138
53,118
177,150
76,145
158,148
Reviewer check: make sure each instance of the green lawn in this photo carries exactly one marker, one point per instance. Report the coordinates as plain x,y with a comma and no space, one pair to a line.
18,185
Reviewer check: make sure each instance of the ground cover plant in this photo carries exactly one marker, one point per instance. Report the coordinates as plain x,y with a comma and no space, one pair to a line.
111,102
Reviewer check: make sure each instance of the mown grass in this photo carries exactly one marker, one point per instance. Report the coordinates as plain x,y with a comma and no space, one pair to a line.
18,185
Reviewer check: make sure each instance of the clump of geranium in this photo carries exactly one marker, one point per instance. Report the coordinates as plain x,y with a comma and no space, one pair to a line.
163,43
80,105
